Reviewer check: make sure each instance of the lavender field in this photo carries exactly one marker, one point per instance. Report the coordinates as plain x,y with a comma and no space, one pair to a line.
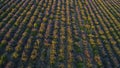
59,33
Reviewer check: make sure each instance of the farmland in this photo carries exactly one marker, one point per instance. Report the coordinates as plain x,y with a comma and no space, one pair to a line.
59,33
